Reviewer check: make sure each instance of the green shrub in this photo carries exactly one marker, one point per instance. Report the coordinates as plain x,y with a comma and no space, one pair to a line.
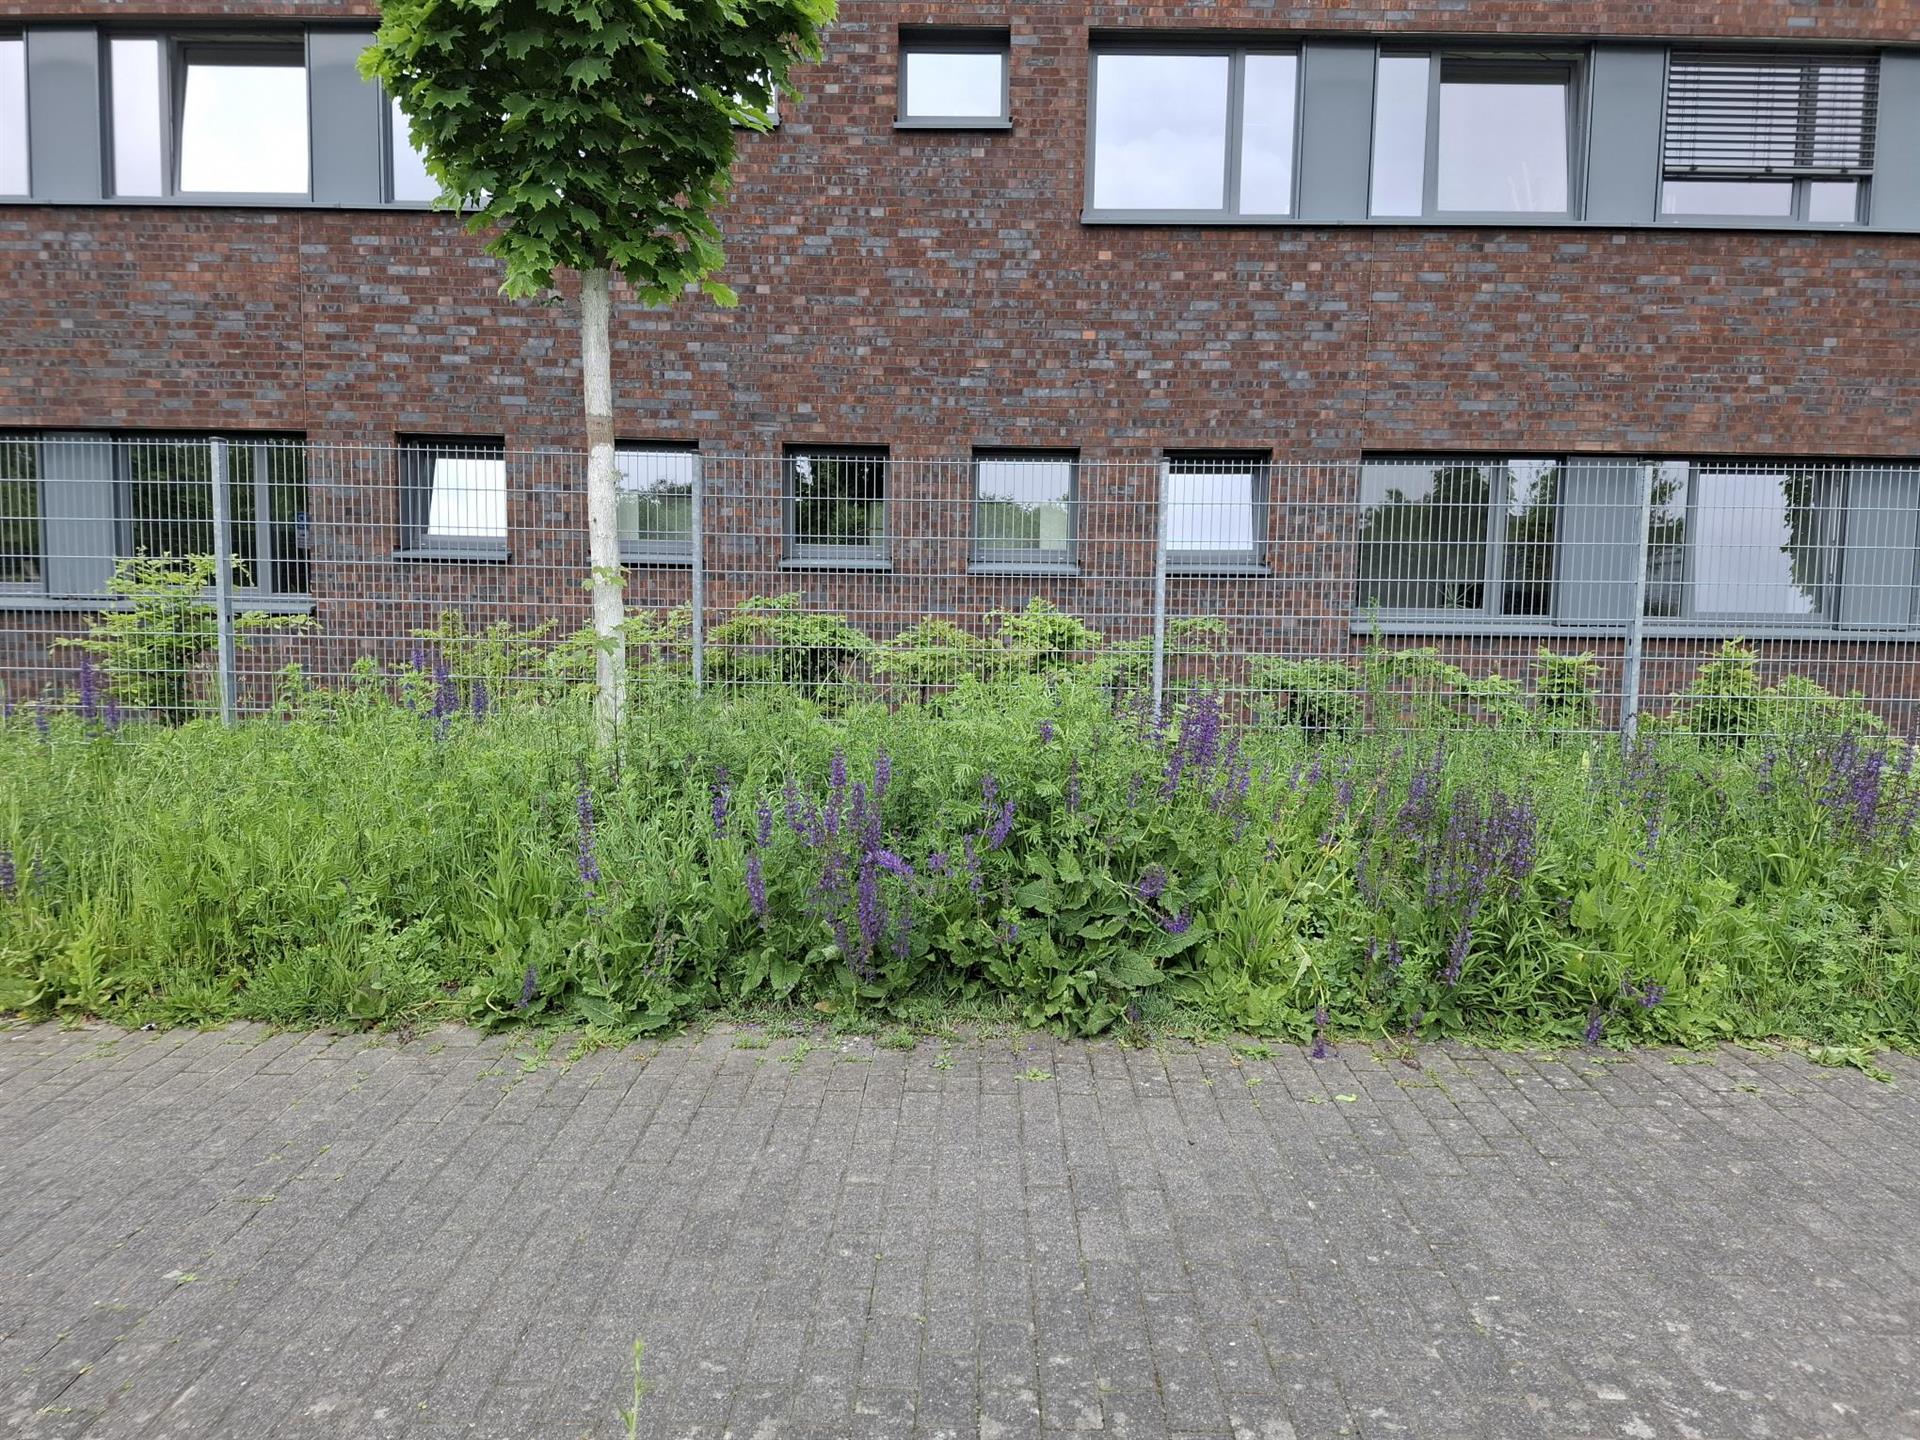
1563,686
1320,695
775,640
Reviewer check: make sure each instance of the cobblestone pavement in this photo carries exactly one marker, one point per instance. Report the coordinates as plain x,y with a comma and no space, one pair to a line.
248,1234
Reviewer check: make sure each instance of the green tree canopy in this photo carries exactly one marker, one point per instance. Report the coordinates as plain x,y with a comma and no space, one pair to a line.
591,134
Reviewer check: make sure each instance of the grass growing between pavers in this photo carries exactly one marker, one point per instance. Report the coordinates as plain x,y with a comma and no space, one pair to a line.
1039,850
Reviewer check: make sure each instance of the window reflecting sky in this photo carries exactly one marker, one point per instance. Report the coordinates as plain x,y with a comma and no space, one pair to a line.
469,498
13,116
1160,132
1400,135
945,83
1266,135
1503,146
1210,512
410,178
243,129
136,117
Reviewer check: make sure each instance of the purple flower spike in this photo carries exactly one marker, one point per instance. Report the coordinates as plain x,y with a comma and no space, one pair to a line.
756,887
1046,732
882,775
1002,826
481,700
529,987
1596,1026
887,860
721,800
1178,924
1320,1032
9,877
89,689
589,863
1153,882
762,823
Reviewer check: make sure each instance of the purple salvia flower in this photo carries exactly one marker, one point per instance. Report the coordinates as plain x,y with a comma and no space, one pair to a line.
446,694
882,775
89,689
989,791
1046,732
112,714
975,881
529,987
1002,826
1596,1025
481,701
762,823
1177,924
40,720
837,770
1073,785
1320,1032
871,912
887,860
903,932
1395,957
722,798
757,887
1457,955
938,864
1153,881
1651,994
589,862
9,877
1134,789
1008,934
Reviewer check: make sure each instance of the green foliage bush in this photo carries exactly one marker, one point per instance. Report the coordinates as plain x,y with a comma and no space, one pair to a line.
380,858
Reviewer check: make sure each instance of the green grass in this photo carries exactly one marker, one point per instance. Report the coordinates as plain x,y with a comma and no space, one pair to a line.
1040,858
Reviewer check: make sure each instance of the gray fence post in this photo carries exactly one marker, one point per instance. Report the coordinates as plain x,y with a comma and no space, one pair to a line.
1637,616
1160,593
699,574
223,579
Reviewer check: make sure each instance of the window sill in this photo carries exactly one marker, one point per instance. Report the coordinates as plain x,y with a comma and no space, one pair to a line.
1217,221
459,554
955,123
657,559
1024,567
1545,626
15,602
821,562
1226,569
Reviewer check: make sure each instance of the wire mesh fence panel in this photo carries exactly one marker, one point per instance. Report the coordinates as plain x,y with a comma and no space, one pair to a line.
1583,592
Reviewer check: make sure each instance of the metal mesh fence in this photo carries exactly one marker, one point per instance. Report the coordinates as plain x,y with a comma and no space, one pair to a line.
1587,592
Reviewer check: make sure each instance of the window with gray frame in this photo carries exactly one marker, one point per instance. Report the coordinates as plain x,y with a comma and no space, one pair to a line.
408,182
837,505
1216,506
1473,134
13,115
1729,544
656,501
193,117
453,499
1458,535
1778,137
73,504
1023,508
23,546
1739,541
1194,133
953,79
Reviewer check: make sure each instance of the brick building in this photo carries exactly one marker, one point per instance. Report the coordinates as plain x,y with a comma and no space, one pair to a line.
1397,319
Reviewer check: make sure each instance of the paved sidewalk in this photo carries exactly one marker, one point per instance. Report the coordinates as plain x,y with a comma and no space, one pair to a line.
244,1234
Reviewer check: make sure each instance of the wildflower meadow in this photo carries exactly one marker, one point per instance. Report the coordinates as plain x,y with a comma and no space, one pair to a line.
443,844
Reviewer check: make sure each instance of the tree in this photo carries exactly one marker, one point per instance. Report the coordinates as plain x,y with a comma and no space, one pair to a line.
595,136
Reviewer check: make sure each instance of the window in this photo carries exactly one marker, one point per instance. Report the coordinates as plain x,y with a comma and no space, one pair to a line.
407,178
1472,135
165,506
837,505
453,499
656,502
953,79
1769,136
207,119
13,115
1023,508
1216,507
23,547
1745,541
1194,134
1458,534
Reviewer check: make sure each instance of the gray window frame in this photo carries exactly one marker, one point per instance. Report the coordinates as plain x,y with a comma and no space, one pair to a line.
1493,574
1235,54
1570,63
953,41
411,453
1801,181
985,559
177,50
1220,462
126,442
1827,617
660,552
876,555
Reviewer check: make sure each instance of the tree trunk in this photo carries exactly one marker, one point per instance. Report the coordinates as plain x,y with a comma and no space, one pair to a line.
603,519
